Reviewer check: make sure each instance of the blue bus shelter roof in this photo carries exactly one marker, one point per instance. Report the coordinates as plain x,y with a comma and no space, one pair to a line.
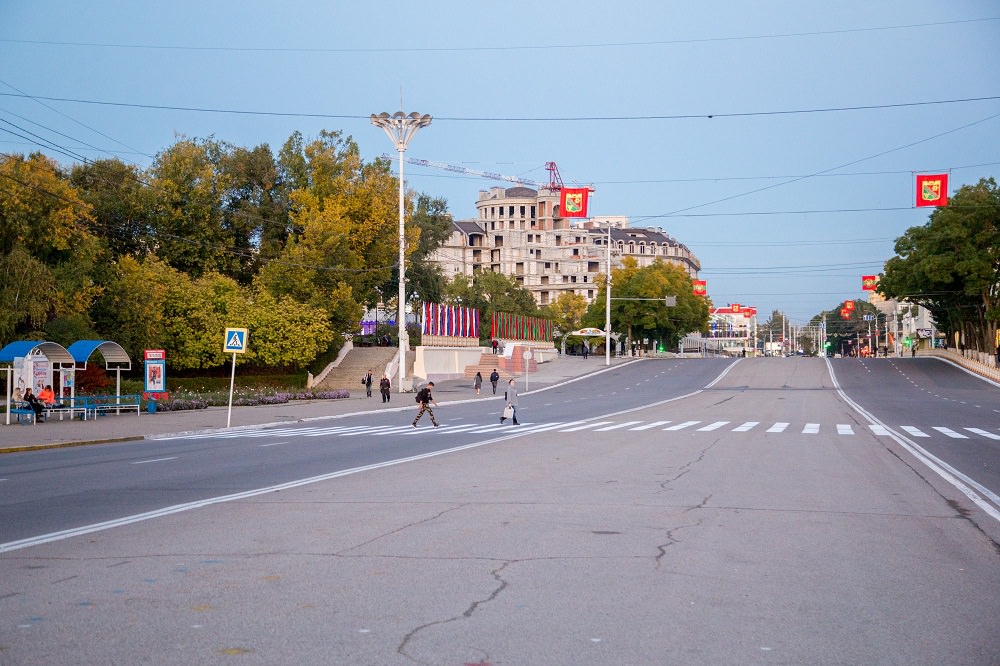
81,351
53,351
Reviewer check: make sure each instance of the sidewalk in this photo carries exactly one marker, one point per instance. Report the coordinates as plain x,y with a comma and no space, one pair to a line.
125,427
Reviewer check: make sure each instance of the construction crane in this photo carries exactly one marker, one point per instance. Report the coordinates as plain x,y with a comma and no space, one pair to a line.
555,180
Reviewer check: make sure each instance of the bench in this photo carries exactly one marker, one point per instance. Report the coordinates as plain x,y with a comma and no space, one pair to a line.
62,409
99,405
23,409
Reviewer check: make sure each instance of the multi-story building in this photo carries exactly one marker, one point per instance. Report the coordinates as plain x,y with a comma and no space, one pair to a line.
519,232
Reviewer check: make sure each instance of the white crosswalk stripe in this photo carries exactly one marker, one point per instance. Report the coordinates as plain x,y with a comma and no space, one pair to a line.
916,432
844,429
878,430
746,427
585,426
951,433
712,426
778,427
616,426
649,426
810,429
984,433
681,426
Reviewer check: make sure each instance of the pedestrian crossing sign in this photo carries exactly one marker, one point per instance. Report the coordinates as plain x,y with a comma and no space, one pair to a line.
236,340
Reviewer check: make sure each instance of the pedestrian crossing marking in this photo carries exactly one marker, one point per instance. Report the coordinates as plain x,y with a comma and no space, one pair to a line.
984,433
617,426
681,426
951,433
649,426
844,429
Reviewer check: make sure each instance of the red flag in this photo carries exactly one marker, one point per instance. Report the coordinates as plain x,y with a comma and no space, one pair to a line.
848,305
932,190
573,201
845,313
735,308
699,287
868,282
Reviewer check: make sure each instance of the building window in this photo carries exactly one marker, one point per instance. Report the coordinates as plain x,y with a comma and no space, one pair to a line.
533,212
510,211
522,211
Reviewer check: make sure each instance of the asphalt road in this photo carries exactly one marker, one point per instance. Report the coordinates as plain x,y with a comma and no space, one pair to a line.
666,512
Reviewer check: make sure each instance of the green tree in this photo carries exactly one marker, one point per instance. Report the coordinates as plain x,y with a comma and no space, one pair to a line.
638,308
951,265
424,278
566,312
122,205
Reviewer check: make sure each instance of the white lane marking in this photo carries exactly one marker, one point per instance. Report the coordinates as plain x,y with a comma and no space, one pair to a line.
681,426
978,431
617,426
844,429
879,430
749,425
650,425
143,462
810,429
916,432
778,427
713,426
951,433
272,444
585,426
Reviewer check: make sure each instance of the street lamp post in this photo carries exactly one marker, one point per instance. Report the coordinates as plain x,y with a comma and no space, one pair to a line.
400,128
607,305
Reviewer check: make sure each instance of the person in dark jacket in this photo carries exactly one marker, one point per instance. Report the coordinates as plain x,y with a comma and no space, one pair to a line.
367,381
425,399
384,387
477,383
35,404
494,378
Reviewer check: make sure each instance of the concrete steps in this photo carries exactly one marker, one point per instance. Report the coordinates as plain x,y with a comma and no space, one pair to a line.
355,365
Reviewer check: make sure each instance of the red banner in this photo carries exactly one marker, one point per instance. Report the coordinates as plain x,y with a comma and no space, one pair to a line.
932,190
699,287
845,314
848,305
573,202
868,282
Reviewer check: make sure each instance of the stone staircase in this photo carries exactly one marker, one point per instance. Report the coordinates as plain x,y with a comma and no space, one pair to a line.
347,376
506,368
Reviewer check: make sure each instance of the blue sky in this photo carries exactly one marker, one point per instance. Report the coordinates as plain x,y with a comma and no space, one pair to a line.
786,201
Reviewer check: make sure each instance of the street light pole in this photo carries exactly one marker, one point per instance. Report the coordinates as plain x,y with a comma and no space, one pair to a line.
400,128
607,305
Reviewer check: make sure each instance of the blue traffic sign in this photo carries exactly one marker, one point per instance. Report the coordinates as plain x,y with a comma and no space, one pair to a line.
236,340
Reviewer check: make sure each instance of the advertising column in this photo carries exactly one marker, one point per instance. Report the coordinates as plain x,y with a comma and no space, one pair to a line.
155,376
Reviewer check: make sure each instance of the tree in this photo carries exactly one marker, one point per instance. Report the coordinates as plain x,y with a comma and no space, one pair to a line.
47,253
638,308
951,265
424,279
122,205
566,312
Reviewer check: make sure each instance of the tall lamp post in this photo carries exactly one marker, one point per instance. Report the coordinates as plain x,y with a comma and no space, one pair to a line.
607,305
401,128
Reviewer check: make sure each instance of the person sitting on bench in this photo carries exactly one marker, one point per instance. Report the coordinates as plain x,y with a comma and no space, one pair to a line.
35,404
48,397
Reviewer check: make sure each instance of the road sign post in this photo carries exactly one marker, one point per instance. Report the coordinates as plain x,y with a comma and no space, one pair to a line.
235,342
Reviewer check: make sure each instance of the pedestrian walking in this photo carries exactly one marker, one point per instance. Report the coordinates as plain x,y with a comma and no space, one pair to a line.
495,345
511,397
477,383
384,387
367,381
494,378
424,398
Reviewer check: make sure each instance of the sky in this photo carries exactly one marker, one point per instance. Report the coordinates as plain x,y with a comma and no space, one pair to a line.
778,140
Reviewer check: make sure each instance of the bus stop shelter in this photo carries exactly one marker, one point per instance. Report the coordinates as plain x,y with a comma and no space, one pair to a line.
58,357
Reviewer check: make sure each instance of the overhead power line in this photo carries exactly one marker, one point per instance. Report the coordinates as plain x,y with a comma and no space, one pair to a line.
683,116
